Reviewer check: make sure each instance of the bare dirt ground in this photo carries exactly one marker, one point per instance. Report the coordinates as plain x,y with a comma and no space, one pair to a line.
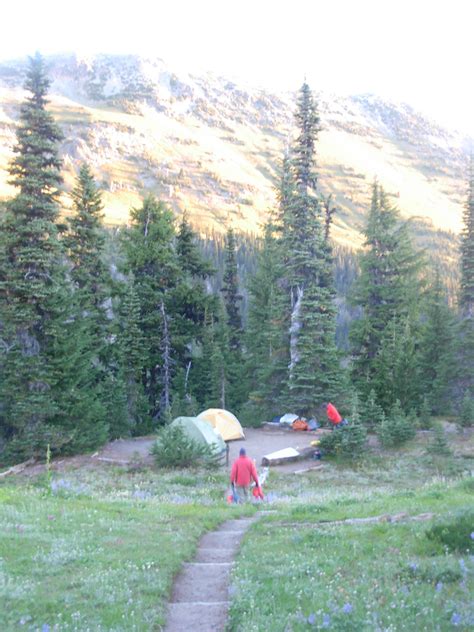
258,442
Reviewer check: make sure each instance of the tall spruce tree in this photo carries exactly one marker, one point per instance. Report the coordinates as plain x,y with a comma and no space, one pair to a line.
466,300
267,348
85,243
230,291
314,368
437,348
151,258
190,304
387,291
465,381
43,390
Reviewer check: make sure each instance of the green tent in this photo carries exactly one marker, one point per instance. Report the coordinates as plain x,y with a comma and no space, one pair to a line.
200,431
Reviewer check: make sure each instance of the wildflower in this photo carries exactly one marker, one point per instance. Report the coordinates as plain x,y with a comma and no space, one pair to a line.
45,628
439,587
347,608
326,620
413,566
456,618
462,564
472,535
312,619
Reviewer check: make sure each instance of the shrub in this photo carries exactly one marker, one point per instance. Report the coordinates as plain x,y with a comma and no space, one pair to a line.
372,413
426,421
455,533
396,429
251,415
439,444
346,441
173,448
466,417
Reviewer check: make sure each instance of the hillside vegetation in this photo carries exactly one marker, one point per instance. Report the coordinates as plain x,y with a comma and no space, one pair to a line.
213,147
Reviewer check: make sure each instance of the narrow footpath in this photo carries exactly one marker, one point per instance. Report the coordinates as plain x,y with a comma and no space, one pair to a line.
200,596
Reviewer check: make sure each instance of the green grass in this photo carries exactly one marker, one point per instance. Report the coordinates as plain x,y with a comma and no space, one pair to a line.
97,549
298,571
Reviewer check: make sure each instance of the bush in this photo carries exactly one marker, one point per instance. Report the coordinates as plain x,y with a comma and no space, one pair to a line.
174,449
439,444
346,441
372,413
251,415
455,533
426,422
466,417
396,429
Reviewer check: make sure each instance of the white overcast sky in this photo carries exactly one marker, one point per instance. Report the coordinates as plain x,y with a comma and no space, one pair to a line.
418,51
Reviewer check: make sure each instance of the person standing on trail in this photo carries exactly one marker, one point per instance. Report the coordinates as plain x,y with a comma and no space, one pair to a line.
242,473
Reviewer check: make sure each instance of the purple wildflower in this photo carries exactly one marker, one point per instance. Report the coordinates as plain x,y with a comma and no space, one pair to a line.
439,587
347,608
45,627
472,535
456,618
312,619
326,620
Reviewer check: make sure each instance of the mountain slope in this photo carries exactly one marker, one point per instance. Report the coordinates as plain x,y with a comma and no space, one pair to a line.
213,147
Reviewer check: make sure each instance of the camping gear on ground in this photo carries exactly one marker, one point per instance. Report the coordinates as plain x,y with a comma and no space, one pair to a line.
275,419
313,424
300,424
288,419
201,432
224,422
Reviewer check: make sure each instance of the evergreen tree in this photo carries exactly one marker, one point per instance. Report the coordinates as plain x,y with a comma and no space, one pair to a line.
267,344
189,304
131,411
314,371
437,348
466,300
465,378
439,445
466,417
372,412
85,243
387,290
230,291
151,259
45,361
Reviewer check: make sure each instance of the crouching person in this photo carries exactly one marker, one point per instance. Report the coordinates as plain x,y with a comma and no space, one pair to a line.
242,473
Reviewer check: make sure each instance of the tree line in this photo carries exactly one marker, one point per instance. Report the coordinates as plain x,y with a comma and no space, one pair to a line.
91,351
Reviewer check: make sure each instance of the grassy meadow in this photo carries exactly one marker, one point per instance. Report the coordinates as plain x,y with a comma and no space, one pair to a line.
97,549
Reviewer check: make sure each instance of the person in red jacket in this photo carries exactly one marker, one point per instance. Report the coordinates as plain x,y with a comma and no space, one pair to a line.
333,414
242,473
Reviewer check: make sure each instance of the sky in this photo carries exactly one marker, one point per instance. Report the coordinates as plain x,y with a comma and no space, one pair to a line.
416,51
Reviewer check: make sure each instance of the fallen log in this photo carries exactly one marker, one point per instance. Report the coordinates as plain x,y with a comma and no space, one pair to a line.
287,455
16,469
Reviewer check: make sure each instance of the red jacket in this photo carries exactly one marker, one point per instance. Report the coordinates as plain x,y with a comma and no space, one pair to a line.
333,414
243,471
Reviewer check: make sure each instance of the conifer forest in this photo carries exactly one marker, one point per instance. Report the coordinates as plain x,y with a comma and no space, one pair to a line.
108,333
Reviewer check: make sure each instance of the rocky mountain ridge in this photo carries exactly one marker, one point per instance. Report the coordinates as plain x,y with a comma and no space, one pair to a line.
213,147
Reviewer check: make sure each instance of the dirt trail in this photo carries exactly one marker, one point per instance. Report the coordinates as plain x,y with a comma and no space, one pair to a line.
200,596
